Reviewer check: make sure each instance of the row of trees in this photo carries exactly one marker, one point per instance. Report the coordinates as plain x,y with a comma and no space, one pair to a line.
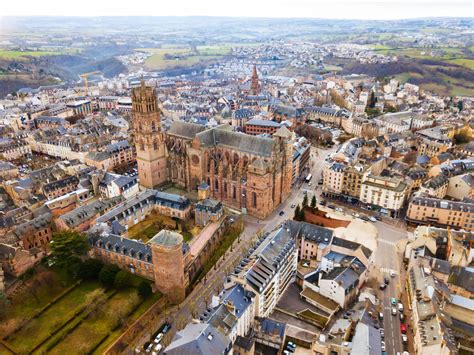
299,211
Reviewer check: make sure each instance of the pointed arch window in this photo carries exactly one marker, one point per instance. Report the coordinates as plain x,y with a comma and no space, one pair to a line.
153,126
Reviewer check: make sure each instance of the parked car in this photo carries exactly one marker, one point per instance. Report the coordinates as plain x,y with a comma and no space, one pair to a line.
365,218
383,286
403,328
392,274
404,338
400,306
372,219
293,206
378,218
386,280
281,213
402,317
380,315
382,332
332,207
382,345
158,347
322,203
394,311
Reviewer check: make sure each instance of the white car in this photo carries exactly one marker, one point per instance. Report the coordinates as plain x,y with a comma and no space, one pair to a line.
382,345
392,274
158,348
339,209
404,338
372,219
400,306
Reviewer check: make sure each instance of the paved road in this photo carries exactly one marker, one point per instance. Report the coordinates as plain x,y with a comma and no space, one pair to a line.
387,259
201,296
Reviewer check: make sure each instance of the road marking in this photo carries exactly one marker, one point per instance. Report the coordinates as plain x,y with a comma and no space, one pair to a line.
387,242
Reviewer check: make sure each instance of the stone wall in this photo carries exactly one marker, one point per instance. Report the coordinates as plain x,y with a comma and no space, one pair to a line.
319,218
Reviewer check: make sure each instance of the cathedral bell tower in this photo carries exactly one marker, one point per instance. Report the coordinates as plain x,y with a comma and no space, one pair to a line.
255,84
149,139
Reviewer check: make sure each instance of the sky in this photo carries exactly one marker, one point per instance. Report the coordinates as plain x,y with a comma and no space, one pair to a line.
345,9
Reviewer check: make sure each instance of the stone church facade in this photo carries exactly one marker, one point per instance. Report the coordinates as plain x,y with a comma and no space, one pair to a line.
247,173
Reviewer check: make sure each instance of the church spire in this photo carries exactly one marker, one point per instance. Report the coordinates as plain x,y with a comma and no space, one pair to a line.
255,86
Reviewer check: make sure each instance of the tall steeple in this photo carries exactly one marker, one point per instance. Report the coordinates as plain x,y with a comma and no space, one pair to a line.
149,139
255,87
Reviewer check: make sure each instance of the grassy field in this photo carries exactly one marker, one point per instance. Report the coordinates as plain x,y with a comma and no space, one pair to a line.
169,57
468,63
155,222
41,327
81,316
6,54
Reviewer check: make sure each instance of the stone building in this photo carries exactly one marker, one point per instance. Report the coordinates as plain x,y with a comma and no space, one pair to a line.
170,276
149,139
251,174
245,172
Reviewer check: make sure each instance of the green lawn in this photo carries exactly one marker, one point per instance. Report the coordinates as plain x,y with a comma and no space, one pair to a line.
41,328
155,222
6,54
468,63
92,330
81,319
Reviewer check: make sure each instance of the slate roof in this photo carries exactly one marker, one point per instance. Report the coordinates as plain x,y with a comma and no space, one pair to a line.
133,248
198,339
185,129
222,136
264,123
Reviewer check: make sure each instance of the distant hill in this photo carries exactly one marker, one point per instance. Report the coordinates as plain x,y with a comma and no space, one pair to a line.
440,77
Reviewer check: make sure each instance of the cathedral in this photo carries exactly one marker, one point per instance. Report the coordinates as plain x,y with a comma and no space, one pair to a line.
247,173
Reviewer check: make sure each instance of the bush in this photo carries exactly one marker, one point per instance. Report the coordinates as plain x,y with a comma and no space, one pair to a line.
90,269
122,279
144,289
107,275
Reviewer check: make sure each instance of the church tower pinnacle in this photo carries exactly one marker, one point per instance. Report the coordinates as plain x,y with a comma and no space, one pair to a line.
255,85
149,139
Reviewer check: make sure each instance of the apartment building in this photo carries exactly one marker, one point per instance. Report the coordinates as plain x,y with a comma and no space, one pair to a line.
268,269
333,179
461,186
60,187
433,211
257,126
435,187
14,150
385,194
426,296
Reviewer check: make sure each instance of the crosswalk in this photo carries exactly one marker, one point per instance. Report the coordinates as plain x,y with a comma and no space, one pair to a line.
386,242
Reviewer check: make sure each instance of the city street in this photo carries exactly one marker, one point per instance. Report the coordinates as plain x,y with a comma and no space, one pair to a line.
386,260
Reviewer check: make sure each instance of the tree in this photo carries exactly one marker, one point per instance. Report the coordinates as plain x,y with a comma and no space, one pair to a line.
107,275
305,201
301,217
144,289
90,269
122,279
313,202
460,105
461,138
296,217
372,100
67,249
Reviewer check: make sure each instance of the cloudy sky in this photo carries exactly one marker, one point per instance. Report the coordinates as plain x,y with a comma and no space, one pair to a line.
357,9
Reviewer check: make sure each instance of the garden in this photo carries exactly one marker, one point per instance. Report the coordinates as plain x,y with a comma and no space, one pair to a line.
76,308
